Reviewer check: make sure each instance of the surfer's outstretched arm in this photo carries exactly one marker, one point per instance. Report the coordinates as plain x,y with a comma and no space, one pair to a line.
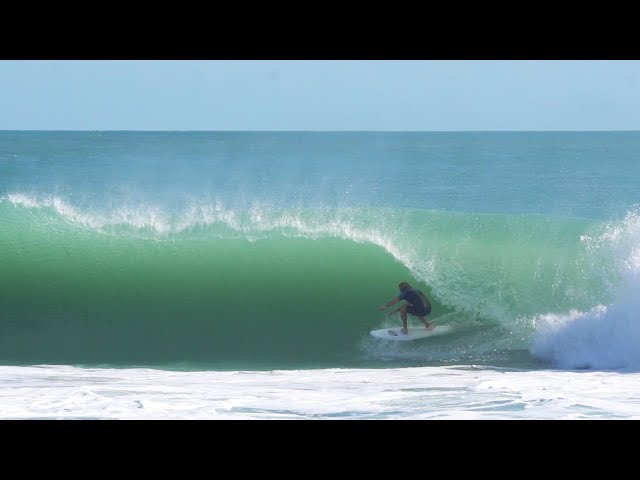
393,301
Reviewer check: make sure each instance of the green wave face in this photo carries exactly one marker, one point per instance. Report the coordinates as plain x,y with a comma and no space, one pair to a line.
269,289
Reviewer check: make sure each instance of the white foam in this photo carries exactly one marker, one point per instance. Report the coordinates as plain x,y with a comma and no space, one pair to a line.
63,392
605,336
23,200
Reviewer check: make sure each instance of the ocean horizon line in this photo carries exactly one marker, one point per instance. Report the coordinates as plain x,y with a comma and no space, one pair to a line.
317,131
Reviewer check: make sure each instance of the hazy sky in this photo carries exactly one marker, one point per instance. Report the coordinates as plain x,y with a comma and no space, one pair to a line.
320,95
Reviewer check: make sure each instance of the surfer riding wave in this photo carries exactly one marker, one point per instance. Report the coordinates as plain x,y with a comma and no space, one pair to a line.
417,305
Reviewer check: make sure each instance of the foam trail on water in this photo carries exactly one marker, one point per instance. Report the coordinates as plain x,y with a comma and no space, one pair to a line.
60,392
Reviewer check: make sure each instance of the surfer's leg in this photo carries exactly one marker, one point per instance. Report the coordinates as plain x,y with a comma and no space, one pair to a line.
427,325
403,316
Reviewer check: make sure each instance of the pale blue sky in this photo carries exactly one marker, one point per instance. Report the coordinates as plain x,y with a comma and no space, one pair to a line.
320,95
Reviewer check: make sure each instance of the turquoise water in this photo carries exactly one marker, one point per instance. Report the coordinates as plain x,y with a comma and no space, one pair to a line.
229,250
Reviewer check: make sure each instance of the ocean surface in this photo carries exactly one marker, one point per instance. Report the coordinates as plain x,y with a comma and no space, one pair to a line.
231,275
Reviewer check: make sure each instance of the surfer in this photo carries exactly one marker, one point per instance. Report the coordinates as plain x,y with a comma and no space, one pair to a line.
417,305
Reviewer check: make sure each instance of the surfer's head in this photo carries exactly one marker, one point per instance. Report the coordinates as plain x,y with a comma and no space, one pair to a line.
404,286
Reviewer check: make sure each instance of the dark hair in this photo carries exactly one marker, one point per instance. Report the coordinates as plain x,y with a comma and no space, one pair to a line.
404,286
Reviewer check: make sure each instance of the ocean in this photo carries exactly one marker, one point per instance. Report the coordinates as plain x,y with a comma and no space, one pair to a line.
237,275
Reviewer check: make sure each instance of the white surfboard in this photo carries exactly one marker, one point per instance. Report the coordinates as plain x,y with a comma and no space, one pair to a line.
413,333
